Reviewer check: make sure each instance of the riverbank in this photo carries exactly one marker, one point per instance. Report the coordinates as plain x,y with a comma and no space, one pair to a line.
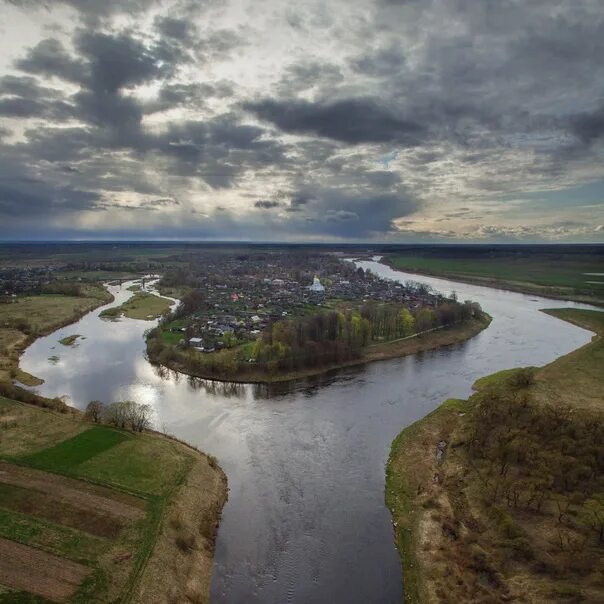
486,495
523,287
30,317
117,515
431,340
103,514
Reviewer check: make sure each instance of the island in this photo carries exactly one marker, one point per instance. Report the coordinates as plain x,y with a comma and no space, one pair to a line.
500,497
273,316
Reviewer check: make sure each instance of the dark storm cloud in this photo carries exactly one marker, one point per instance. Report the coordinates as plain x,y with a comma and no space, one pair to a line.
588,127
352,121
346,213
22,97
119,61
49,58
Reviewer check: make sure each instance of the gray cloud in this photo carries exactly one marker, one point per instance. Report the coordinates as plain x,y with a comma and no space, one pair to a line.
401,109
266,204
350,121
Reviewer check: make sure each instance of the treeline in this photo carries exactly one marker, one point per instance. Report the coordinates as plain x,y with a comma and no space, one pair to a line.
121,414
322,338
334,336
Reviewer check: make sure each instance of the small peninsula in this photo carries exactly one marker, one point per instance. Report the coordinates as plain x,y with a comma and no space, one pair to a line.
281,316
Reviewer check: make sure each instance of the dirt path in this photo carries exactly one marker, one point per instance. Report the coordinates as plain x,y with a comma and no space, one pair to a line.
27,569
77,493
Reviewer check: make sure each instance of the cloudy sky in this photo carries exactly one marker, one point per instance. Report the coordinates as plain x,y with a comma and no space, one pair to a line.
389,120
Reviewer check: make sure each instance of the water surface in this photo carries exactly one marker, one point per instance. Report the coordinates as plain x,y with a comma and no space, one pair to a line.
305,521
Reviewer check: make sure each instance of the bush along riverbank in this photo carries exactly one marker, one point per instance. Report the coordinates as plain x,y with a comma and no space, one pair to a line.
322,342
499,498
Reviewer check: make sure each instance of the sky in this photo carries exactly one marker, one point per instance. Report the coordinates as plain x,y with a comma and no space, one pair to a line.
348,120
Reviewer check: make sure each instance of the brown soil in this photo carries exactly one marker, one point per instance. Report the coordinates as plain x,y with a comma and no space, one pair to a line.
64,501
78,493
27,569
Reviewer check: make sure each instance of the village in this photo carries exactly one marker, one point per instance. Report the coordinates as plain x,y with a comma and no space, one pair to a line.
231,301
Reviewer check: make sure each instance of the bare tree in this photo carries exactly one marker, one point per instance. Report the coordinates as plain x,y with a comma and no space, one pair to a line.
94,411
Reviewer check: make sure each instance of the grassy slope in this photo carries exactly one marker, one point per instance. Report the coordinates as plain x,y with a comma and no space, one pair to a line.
563,279
418,502
153,468
142,306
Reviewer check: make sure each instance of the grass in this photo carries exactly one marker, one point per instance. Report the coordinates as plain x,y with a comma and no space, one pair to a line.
141,306
150,466
53,538
27,378
20,597
554,276
69,340
404,473
68,454
577,376
26,429
499,551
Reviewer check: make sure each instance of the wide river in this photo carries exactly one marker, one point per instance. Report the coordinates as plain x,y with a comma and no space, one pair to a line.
305,521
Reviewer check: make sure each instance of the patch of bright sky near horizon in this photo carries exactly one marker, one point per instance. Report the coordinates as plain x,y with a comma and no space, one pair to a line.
416,120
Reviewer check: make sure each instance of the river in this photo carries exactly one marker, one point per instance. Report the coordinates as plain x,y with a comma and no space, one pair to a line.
305,521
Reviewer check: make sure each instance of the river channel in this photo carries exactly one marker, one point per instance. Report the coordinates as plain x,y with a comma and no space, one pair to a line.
305,521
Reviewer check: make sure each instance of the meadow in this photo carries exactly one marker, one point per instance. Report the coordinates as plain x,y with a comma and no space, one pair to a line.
551,274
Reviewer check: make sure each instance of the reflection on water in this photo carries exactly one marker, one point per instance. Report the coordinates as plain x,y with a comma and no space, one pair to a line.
305,521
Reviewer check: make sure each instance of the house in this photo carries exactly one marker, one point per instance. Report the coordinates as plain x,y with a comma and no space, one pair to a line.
197,343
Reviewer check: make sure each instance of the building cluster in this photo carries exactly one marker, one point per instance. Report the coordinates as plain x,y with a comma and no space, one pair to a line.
24,280
235,298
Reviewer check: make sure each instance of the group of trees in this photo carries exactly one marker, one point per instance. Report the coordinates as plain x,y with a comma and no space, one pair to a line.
390,321
121,414
321,338
334,336
540,459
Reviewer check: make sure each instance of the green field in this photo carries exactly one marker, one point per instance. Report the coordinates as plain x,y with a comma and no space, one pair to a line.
67,455
563,276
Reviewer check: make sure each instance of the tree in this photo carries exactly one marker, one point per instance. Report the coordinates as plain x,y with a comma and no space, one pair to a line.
406,321
115,414
424,319
94,411
139,416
